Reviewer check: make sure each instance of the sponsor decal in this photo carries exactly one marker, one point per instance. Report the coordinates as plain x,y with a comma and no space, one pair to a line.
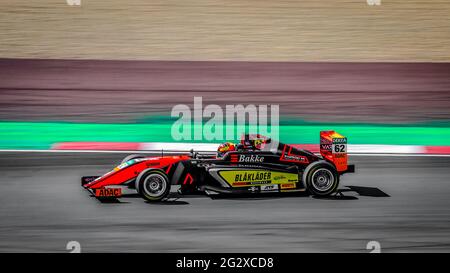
251,158
108,192
339,148
278,177
257,177
326,147
294,158
342,140
259,182
248,165
324,141
253,189
272,187
241,183
252,177
89,179
288,186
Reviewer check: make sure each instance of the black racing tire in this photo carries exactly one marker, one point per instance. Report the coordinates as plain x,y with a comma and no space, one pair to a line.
153,185
321,178
130,157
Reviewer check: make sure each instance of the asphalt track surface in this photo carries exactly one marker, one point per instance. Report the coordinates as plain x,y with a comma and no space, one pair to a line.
43,207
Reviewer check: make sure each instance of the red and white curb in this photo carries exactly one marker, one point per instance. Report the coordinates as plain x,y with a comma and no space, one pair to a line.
212,147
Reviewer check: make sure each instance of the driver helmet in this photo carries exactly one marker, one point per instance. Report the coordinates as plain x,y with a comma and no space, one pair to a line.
224,148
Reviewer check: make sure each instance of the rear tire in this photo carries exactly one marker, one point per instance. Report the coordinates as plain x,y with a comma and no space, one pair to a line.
130,157
153,185
321,178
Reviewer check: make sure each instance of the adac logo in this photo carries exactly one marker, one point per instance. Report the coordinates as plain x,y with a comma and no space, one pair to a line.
111,192
251,158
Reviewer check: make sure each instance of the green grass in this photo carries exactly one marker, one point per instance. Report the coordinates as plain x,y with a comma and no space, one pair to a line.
41,135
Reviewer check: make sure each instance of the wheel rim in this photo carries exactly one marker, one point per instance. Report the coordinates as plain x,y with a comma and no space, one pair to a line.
154,185
322,180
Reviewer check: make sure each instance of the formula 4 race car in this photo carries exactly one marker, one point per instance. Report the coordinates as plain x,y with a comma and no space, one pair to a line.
258,165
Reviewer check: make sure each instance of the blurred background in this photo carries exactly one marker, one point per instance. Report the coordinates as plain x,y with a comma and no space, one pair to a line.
245,30
112,70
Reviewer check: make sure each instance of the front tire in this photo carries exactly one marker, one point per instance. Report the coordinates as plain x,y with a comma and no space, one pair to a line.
153,185
321,178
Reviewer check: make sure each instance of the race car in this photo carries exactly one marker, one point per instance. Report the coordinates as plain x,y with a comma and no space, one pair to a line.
257,165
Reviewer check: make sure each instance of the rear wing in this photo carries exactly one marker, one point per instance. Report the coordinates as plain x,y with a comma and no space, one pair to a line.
333,148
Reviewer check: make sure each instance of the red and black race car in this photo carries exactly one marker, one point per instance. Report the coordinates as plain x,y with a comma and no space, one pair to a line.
258,165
